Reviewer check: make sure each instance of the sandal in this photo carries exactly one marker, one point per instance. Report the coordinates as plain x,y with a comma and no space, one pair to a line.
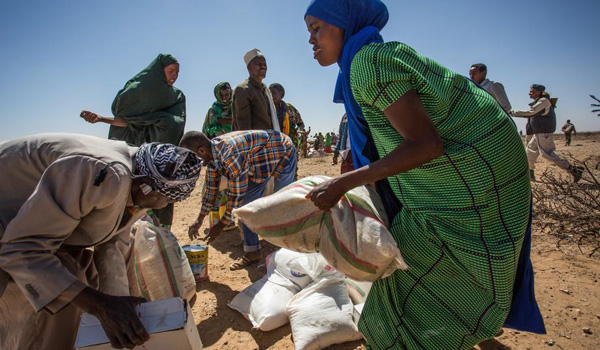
243,262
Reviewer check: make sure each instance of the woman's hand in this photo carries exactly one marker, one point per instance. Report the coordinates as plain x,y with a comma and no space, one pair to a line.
327,194
90,117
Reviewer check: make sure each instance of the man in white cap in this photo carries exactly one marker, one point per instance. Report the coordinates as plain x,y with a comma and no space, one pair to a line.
253,107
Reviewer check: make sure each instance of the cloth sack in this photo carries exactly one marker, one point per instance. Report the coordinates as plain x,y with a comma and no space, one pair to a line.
321,315
352,236
160,267
358,291
263,303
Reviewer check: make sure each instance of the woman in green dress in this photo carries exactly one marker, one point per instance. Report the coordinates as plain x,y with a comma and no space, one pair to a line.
148,109
452,172
219,118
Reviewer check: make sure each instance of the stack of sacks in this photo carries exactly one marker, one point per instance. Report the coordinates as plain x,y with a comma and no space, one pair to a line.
321,314
263,303
305,290
352,236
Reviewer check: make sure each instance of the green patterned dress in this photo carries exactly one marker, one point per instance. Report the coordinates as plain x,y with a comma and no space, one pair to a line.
464,214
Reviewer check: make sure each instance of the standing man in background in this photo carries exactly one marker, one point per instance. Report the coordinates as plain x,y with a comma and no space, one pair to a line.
568,128
478,73
253,107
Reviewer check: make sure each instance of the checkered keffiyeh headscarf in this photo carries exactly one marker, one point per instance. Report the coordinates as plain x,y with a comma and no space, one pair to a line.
172,170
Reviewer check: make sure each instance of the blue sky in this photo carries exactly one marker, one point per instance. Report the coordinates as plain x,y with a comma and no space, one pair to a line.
60,57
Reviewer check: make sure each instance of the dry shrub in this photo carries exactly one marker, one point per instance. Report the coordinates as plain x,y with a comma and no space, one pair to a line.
570,211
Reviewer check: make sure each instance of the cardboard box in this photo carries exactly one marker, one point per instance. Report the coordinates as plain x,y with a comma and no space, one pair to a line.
169,322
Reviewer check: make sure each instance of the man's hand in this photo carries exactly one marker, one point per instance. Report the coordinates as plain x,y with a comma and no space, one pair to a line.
214,232
193,229
117,316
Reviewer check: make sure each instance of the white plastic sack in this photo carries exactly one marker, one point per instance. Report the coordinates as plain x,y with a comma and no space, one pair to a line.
264,303
321,315
278,263
160,267
352,236
314,265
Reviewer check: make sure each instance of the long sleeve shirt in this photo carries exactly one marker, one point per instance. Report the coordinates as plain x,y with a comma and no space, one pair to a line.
543,104
496,89
253,108
49,200
241,157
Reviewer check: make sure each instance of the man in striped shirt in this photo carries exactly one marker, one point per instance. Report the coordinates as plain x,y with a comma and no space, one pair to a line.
247,159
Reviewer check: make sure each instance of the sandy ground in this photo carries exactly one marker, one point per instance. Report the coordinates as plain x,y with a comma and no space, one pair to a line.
567,286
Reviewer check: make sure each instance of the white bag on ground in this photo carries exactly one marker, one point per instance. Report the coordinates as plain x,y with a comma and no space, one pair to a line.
352,236
160,267
263,303
321,315
278,263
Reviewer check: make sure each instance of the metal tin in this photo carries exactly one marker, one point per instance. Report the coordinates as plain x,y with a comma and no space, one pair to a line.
197,255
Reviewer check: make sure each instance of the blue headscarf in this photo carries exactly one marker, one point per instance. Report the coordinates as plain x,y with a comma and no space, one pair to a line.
361,21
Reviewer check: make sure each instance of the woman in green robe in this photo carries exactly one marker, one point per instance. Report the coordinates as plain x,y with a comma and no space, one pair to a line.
148,109
452,173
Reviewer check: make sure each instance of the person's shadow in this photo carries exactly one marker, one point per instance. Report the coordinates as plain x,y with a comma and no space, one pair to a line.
493,344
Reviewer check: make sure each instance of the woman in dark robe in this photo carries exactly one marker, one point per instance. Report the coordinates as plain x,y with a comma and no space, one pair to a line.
148,109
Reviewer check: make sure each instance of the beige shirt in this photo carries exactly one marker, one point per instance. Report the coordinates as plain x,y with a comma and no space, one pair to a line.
496,89
49,201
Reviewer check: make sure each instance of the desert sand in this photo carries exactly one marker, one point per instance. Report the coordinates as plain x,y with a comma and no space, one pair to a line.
566,280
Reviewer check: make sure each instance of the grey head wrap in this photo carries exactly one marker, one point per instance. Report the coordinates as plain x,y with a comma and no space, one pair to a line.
538,87
172,170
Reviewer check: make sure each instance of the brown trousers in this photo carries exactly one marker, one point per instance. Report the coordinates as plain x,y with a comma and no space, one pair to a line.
22,328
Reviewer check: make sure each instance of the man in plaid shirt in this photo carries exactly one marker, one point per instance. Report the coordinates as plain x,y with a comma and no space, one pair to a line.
247,159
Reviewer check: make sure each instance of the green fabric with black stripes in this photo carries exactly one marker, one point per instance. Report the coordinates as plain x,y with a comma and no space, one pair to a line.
464,214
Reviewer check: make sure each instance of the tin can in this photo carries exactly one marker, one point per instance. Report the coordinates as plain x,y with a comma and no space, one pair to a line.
215,215
197,255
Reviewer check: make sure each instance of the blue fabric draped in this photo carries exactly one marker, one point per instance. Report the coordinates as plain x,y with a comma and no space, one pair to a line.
362,20
524,313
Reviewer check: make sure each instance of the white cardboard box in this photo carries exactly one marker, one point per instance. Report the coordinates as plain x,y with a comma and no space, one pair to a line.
169,322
